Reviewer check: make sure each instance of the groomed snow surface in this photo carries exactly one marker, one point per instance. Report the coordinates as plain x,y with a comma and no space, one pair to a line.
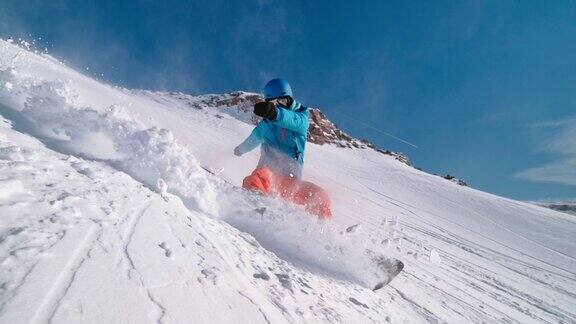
108,215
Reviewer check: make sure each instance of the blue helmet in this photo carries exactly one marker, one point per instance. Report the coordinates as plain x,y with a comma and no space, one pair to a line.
277,88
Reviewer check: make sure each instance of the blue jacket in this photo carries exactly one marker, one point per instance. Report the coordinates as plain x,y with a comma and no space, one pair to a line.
287,133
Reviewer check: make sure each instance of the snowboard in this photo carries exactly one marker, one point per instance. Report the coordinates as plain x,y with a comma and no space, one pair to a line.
388,268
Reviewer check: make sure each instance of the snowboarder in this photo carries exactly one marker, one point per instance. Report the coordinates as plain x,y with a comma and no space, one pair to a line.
282,135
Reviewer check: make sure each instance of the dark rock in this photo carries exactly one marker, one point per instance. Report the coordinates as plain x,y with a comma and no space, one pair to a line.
356,302
284,280
262,276
455,180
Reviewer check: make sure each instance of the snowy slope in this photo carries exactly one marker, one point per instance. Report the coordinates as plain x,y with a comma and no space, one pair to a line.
107,215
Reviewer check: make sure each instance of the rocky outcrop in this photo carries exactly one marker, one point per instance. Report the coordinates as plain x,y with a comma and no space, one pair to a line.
455,180
568,207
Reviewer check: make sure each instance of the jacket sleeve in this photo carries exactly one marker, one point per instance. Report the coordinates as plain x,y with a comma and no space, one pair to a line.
252,141
297,121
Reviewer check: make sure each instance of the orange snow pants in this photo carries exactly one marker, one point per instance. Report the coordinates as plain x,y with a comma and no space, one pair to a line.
314,199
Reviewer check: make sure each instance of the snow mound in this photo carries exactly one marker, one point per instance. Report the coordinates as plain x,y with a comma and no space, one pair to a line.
49,109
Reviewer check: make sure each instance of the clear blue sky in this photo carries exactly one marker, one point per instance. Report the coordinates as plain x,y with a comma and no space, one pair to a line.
486,89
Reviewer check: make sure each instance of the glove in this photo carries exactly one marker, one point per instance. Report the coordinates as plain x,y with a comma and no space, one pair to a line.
266,110
237,151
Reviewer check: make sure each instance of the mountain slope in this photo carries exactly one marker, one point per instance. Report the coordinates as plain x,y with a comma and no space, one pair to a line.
111,215
568,207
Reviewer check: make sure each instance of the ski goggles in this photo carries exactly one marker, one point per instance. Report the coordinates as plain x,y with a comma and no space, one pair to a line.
281,101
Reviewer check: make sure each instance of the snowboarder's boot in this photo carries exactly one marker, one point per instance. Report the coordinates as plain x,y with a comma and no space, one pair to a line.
260,180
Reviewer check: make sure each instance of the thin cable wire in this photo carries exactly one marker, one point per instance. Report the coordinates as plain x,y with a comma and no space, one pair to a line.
378,130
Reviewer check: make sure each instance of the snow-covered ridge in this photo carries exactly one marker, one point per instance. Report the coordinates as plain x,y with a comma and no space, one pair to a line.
107,214
239,104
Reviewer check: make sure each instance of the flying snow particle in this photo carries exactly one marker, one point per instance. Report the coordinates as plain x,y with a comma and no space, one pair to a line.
435,257
161,187
385,242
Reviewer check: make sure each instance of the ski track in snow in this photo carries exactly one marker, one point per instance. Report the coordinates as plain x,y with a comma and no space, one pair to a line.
84,237
484,279
134,220
65,279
